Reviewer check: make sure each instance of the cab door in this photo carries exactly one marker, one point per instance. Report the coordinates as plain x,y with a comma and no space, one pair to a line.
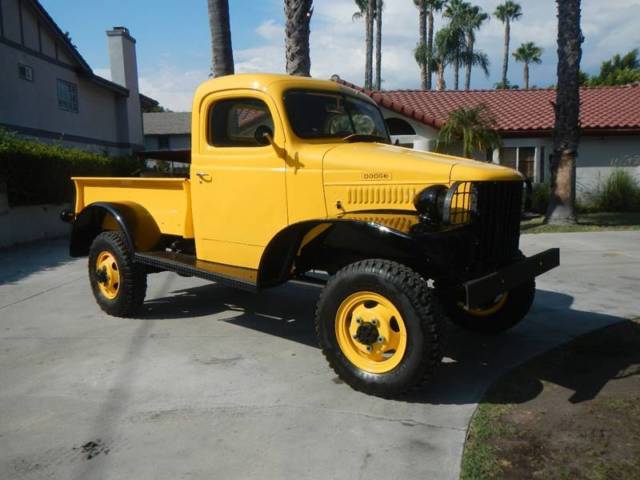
238,179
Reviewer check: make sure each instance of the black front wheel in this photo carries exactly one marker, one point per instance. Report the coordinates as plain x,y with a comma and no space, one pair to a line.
379,327
502,313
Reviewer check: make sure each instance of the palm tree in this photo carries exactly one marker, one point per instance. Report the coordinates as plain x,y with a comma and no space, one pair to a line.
455,11
472,19
566,133
432,6
222,52
366,9
506,12
474,128
528,53
422,54
378,14
298,17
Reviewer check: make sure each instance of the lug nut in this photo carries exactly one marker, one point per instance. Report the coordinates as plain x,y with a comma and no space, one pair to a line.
368,348
358,321
374,322
380,339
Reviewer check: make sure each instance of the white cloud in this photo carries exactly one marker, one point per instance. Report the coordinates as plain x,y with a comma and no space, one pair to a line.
172,87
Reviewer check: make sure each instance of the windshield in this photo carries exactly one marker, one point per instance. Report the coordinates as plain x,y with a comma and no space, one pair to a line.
321,114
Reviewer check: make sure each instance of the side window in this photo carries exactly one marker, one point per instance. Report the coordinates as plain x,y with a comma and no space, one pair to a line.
67,96
239,122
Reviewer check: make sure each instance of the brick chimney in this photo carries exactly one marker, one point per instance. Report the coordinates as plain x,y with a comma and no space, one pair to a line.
124,71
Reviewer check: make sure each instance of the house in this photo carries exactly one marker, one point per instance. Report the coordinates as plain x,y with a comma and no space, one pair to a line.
49,92
167,130
609,116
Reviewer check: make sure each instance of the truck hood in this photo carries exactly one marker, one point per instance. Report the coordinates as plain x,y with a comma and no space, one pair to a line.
355,163
374,176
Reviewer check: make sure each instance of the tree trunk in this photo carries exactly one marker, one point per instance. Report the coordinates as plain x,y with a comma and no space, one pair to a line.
467,73
505,58
566,133
221,50
456,68
298,17
440,85
424,83
526,75
368,63
378,44
429,47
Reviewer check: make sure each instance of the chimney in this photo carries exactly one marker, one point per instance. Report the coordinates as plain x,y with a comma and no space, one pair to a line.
124,71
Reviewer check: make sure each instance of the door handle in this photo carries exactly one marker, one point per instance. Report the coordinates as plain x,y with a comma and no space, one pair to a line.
203,176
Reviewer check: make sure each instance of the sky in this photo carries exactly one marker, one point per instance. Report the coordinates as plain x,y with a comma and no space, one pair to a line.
174,46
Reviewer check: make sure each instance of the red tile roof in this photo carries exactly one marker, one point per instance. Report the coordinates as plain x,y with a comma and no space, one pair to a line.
518,112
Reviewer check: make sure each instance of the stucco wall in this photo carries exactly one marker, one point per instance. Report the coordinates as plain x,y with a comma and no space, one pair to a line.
35,104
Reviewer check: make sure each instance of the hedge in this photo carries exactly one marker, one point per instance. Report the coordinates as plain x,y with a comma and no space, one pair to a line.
37,173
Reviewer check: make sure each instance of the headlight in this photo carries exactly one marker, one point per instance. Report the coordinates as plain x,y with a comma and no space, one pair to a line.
430,203
461,202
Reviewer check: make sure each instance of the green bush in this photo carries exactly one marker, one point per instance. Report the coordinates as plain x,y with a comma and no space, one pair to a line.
38,173
619,192
540,197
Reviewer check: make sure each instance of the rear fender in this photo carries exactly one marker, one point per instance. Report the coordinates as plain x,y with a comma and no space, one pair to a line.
138,226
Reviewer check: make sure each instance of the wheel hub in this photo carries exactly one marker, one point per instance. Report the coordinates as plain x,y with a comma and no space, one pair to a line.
371,332
107,274
367,334
101,275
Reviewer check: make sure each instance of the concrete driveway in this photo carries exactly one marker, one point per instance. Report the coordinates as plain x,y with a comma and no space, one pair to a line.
215,383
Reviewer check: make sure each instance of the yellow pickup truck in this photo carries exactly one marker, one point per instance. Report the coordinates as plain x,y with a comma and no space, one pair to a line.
296,179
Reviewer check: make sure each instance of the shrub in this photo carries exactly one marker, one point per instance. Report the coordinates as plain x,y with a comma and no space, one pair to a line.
619,192
40,173
540,197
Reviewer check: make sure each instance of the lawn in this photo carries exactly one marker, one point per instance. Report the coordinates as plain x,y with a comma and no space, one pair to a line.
587,222
573,412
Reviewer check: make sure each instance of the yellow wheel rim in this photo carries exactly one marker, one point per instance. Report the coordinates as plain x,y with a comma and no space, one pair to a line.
491,309
363,316
108,275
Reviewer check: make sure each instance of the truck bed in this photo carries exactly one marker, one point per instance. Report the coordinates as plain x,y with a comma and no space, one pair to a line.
168,200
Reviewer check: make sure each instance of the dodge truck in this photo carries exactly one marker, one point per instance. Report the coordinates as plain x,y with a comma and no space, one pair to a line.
296,179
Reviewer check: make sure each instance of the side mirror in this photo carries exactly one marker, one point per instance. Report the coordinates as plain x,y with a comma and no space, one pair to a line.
263,135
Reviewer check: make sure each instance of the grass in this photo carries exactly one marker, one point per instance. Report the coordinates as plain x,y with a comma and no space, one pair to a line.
572,412
480,459
587,222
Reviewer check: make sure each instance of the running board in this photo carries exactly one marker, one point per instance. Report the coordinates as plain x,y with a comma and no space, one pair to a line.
238,277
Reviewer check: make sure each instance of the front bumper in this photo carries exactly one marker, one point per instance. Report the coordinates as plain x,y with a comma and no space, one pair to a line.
484,290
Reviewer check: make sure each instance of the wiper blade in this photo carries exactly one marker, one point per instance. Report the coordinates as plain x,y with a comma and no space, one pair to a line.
363,137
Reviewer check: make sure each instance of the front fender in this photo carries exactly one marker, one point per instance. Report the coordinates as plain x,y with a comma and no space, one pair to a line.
311,244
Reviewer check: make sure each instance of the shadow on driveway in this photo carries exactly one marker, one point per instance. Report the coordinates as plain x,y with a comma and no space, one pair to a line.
472,361
21,261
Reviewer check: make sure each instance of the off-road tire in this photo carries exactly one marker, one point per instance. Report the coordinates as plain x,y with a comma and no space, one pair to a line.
133,279
516,307
420,312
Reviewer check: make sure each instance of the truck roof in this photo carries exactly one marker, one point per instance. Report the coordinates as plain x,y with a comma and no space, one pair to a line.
272,83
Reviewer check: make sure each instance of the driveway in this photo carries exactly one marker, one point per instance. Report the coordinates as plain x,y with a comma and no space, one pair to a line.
216,383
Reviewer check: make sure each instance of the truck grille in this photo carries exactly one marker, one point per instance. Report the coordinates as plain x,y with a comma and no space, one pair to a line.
498,221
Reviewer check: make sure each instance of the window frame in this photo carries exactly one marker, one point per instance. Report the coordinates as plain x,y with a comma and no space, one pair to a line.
235,99
26,68
75,103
